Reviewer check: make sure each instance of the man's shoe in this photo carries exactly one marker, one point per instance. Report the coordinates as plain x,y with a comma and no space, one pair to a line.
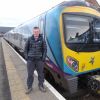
28,90
42,88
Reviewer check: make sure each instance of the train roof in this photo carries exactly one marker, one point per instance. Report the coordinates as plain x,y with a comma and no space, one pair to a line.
72,3
65,4
76,3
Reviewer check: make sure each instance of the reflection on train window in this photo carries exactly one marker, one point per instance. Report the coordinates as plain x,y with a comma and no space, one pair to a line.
75,27
16,36
25,39
96,37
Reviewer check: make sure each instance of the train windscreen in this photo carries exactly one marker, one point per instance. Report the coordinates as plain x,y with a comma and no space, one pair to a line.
81,31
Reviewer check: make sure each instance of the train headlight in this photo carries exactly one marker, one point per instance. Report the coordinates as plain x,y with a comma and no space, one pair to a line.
73,63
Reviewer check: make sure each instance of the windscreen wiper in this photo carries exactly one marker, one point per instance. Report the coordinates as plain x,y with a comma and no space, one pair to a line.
88,38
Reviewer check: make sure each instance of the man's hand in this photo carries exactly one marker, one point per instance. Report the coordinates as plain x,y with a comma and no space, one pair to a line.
43,59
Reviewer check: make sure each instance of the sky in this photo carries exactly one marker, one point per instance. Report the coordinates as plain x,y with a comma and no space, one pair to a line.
15,12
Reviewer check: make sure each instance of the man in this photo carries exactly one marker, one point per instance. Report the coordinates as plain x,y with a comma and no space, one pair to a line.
35,54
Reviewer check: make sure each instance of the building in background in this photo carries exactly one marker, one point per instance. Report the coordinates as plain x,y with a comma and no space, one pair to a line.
95,3
4,30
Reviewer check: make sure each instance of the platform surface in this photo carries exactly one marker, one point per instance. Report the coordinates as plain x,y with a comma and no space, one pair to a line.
4,86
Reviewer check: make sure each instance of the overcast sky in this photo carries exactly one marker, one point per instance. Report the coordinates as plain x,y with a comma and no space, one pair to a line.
14,12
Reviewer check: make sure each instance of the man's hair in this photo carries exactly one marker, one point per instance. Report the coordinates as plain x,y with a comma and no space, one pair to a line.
35,27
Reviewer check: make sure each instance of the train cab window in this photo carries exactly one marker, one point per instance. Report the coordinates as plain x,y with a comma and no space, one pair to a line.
96,38
81,33
75,27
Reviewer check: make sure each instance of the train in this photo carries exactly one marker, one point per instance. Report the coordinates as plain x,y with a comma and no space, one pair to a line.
72,33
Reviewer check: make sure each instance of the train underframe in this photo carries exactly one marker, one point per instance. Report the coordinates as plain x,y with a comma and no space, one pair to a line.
72,86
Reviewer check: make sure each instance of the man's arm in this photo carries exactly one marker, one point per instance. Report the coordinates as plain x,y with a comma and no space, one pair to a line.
44,50
26,49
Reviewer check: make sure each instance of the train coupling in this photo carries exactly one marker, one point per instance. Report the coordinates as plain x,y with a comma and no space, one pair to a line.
94,83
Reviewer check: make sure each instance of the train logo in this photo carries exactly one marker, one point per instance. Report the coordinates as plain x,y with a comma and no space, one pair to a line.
92,60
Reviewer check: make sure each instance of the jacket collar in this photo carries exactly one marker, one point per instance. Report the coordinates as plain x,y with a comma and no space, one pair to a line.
40,36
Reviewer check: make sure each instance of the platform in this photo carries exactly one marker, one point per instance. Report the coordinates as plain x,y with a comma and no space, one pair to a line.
4,86
17,75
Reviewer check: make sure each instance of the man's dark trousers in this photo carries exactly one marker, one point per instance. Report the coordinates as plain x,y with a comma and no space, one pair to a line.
31,66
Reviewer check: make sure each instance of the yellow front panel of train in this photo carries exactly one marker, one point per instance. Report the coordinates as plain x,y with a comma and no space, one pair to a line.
87,61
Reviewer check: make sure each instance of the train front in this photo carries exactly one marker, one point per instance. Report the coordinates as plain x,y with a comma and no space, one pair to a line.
80,37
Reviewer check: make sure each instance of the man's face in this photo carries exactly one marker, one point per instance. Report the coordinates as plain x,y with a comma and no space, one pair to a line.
36,32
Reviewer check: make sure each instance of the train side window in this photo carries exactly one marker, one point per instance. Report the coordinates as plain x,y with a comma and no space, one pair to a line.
41,25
